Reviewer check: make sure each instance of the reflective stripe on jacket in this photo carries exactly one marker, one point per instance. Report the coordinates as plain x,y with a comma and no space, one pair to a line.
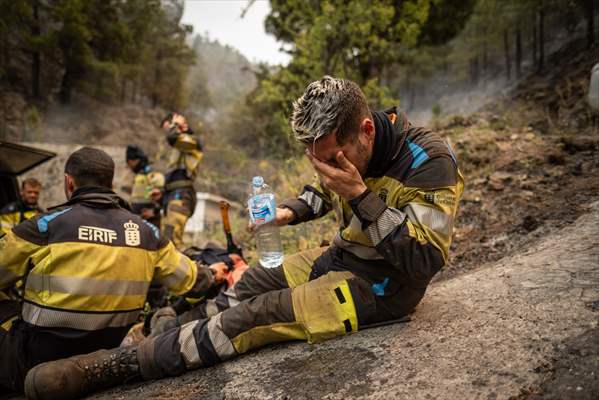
88,264
402,226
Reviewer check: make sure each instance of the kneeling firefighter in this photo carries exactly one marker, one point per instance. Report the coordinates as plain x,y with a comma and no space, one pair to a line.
395,190
87,266
147,185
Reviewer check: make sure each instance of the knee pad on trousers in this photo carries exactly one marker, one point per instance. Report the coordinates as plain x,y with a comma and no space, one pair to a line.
328,306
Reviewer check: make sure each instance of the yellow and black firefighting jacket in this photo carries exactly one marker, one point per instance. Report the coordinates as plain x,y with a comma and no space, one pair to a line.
88,265
146,180
16,212
401,228
185,158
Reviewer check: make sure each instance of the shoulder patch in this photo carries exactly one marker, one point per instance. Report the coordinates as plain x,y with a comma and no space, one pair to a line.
438,171
42,222
154,229
419,155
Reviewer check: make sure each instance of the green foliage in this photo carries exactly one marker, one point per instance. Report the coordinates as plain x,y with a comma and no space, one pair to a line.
110,49
446,20
353,39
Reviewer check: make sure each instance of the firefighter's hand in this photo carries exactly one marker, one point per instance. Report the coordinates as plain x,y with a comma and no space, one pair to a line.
156,195
147,213
238,270
283,217
220,270
342,178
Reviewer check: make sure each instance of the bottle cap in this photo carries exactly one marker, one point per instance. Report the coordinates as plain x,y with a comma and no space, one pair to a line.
257,181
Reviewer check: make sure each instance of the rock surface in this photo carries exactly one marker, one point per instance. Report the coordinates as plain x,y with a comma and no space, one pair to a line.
524,327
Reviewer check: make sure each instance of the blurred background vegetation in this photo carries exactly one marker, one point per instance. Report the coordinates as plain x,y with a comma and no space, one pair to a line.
434,57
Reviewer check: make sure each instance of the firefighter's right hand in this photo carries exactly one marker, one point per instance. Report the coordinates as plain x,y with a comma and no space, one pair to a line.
220,270
283,217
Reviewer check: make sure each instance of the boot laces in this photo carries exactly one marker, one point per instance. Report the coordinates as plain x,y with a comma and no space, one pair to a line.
118,365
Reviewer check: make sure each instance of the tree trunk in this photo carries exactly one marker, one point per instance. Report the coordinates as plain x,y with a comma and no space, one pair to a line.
65,86
485,60
534,44
508,60
35,54
474,71
518,51
156,80
123,89
134,91
541,64
590,15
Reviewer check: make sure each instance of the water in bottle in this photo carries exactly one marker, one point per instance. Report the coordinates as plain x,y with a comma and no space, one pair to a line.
262,209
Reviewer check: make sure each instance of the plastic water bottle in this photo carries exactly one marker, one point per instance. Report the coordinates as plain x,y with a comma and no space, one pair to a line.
262,207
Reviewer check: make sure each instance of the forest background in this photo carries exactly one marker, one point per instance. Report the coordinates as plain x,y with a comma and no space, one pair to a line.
134,59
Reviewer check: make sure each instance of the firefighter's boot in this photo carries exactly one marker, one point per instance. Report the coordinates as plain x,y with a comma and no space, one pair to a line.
164,318
74,377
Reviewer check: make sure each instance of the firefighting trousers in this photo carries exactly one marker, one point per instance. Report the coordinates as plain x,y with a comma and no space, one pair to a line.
270,305
180,205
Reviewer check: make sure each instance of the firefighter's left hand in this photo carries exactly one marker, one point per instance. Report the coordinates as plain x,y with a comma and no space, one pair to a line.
343,178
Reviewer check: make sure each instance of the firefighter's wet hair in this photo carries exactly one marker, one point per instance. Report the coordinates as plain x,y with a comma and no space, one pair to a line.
90,167
329,105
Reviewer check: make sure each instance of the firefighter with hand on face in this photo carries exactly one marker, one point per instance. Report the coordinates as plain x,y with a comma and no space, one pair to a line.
23,208
395,190
87,266
179,198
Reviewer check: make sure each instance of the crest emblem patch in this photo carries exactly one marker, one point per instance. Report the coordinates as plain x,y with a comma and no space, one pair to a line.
132,236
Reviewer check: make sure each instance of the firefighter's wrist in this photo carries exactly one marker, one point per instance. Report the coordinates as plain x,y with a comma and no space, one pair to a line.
285,216
367,207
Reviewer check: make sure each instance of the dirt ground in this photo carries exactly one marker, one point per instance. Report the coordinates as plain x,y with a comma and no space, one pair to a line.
531,160
525,327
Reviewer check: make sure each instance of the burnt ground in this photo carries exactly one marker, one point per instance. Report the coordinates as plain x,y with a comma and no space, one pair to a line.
530,160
